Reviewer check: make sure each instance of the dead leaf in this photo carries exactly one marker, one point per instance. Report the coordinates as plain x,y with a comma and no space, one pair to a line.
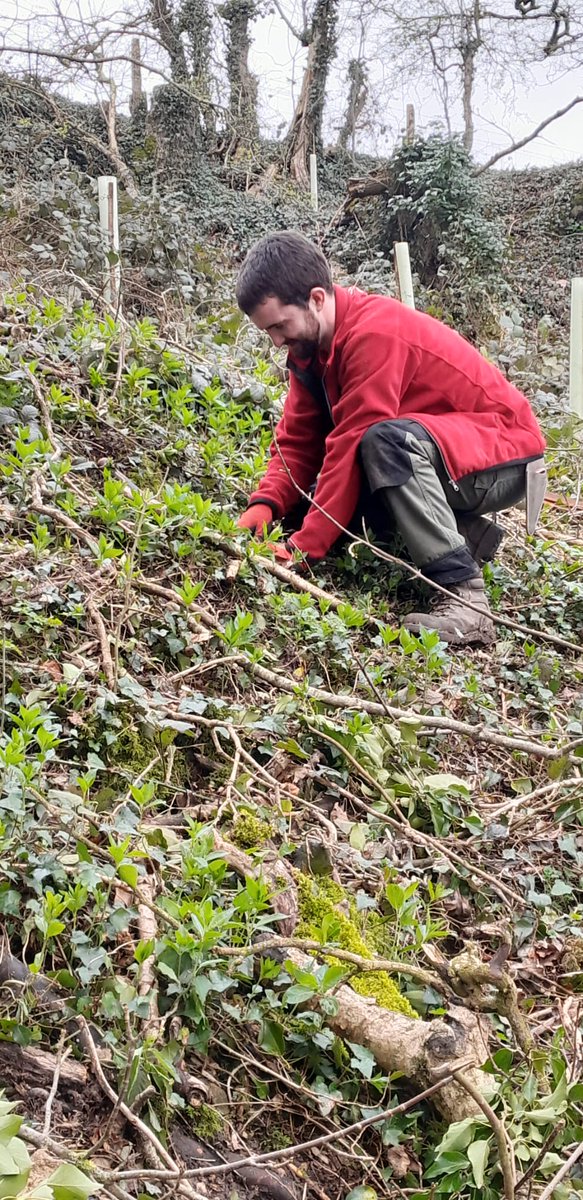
401,1161
52,668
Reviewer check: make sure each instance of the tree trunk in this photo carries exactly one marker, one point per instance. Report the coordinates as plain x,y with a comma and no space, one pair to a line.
357,96
194,20
470,44
163,21
244,125
305,133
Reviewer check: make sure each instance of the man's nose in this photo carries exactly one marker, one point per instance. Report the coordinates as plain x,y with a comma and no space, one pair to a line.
278,339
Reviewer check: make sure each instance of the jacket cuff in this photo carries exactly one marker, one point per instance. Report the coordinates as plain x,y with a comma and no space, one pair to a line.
275,511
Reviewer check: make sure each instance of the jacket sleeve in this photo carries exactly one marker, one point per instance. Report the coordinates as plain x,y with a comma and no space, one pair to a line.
373,378
300,437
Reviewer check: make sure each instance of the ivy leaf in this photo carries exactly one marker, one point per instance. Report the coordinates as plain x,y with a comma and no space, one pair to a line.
478,1155
69,1183
271,1038
362,1060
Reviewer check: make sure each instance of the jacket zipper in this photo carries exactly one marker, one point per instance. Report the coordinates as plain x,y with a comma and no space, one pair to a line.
325,391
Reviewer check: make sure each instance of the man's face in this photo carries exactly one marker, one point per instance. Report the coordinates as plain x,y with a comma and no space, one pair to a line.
290,325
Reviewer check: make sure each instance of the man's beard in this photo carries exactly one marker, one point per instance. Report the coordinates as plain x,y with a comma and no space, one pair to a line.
306,347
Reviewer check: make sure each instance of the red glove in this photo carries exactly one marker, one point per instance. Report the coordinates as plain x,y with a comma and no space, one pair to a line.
281,554
255,518
286,557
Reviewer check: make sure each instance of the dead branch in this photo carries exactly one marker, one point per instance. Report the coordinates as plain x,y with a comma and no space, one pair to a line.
416,1048
505,1148
97,619
147,981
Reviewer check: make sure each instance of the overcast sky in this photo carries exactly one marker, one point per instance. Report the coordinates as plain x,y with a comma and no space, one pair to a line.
278,61
499,121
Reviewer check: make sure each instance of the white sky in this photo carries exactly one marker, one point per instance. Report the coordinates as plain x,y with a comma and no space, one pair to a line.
278,61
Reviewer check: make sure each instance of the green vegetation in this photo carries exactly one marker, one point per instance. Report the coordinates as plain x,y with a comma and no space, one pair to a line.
166,699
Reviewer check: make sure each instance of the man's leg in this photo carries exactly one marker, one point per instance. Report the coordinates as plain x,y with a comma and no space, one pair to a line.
410,492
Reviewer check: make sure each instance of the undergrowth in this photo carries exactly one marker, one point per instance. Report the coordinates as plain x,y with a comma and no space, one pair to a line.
165,696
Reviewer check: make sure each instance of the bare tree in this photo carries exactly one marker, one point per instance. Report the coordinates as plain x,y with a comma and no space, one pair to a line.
356,100
452,46
318,35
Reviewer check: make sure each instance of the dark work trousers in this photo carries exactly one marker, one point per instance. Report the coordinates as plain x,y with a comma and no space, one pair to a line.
407,491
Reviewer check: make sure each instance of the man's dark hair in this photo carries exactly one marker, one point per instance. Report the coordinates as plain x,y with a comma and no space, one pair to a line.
285,265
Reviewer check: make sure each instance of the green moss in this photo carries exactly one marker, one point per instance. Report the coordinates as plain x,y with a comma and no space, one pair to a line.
320,898
133,750
130,750
206,1121
249,831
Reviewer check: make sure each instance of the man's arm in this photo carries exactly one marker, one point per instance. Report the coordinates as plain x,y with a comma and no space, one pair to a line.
374,375
299,441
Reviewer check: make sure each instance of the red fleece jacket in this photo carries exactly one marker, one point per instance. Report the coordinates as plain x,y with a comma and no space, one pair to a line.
389,361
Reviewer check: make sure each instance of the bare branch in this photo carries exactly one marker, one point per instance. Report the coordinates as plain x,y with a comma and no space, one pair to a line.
529,138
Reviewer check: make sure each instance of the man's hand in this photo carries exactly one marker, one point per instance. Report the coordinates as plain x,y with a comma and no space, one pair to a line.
287,557
280,552
257,519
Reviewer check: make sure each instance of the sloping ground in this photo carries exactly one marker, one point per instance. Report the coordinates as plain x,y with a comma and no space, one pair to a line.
542,211
225,790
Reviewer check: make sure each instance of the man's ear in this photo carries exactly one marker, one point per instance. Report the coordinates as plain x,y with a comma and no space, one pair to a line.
318,296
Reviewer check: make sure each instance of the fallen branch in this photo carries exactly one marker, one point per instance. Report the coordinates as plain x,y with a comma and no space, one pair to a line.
326,950
108,667
505,1148
415,1048
63,1055
81,1160
286,1152
44,409
147,981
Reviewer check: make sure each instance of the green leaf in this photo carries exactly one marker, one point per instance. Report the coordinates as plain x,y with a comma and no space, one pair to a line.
362,1193
128,873
362,1060
478,1155
271,1038
447,1164
358,836
69,1183
560,888
445,783
9,1126
458,1136
297,993
503,1058
293,747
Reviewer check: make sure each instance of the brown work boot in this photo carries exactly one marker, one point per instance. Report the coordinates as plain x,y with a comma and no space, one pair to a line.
482,537
453,620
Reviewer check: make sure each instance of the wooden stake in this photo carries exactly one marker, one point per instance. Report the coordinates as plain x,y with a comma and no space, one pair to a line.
314,180
576,347
108,220
410,125
403,273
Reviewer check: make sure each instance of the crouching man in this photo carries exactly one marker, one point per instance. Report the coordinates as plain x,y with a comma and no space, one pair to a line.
387,403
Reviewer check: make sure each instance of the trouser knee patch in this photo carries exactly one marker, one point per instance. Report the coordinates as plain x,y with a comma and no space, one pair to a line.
385,458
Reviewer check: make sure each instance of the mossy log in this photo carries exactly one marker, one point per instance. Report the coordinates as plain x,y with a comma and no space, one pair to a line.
419,1049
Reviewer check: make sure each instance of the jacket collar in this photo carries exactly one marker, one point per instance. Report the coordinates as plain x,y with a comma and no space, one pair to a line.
343,297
